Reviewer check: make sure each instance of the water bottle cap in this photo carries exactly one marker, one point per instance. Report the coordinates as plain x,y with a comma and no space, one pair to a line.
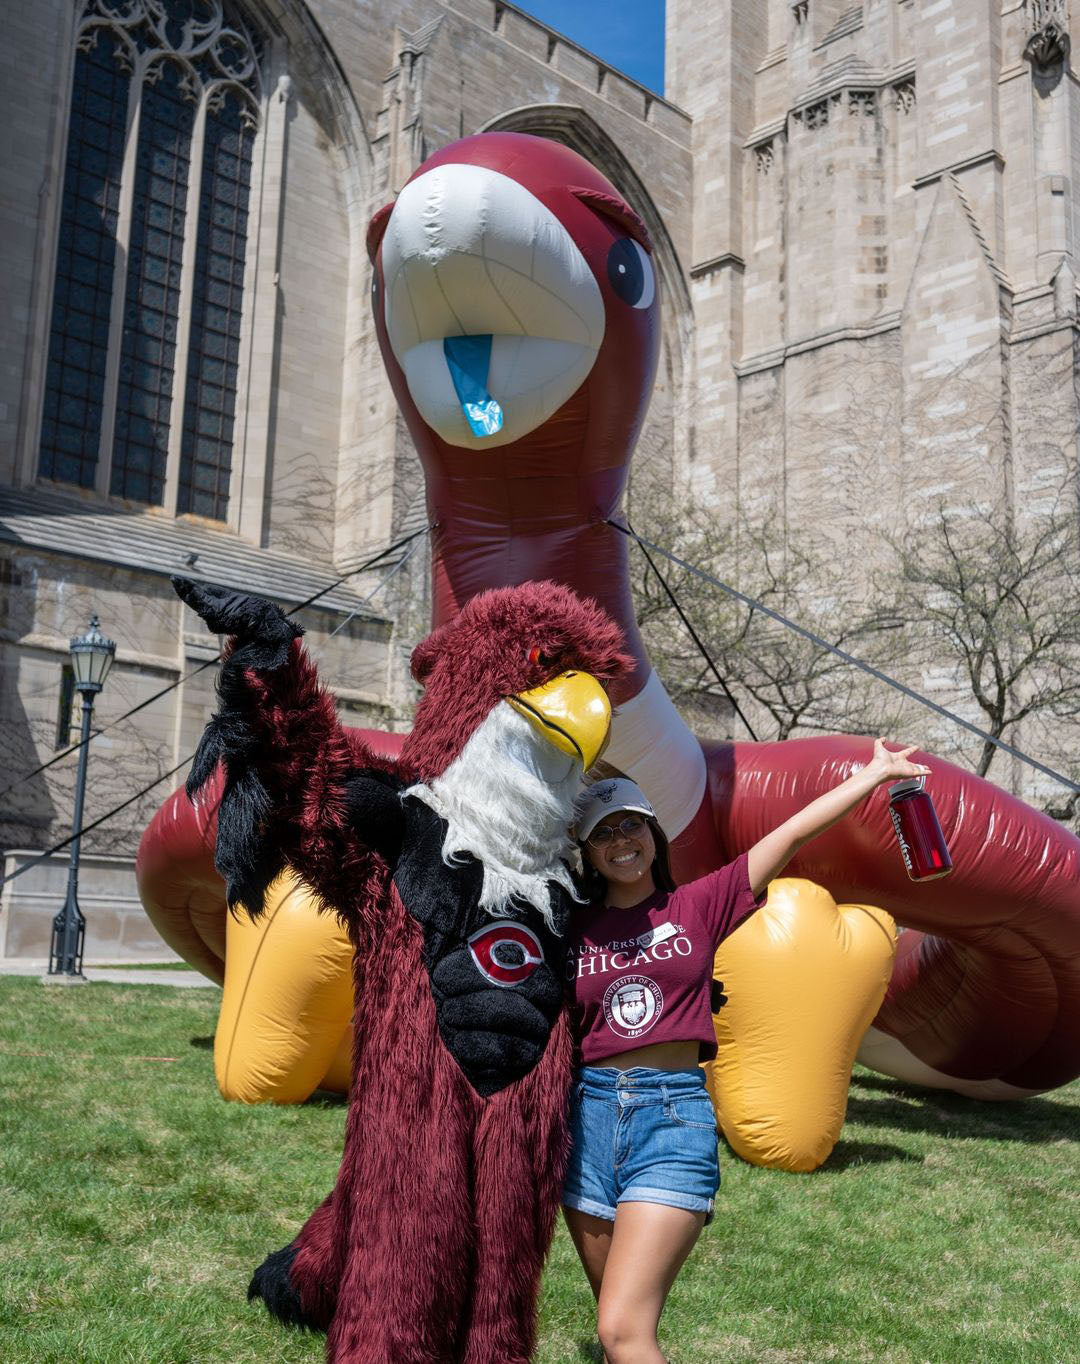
907,787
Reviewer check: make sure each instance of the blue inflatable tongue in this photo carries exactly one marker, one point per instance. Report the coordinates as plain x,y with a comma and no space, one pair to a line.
468,359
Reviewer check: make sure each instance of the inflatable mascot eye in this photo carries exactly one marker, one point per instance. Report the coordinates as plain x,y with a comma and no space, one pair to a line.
630,272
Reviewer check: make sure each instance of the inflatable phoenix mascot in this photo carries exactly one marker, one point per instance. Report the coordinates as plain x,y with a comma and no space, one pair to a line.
449,868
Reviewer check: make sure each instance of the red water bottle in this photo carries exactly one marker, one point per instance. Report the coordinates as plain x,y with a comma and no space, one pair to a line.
922,844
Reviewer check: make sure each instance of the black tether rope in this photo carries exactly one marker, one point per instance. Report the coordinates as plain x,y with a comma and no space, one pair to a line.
212,662
690,629
368,563
848,658
379,585
86,828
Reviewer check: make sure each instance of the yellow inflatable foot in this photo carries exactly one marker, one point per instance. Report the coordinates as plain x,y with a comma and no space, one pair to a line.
285,1026
804,978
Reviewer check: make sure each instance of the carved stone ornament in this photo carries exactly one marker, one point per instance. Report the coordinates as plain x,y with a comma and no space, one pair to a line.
763,155
862,102
799,10
1048,31
905,96
217,51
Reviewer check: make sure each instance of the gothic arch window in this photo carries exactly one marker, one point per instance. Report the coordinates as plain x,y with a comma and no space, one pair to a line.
141,377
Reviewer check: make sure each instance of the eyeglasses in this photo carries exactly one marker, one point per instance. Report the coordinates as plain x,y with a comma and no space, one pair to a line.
604,833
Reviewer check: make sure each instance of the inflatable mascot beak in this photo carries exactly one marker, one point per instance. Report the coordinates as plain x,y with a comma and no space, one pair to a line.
571,711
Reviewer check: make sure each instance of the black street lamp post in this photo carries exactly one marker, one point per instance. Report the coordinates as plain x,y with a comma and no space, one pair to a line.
91,658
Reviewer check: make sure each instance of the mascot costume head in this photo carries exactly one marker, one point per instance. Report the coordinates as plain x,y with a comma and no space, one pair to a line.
508,723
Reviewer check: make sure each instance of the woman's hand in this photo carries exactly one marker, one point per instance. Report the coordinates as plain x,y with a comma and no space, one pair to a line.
887,766
768,857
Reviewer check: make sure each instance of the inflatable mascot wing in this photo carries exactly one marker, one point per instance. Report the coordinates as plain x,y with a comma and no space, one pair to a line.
517,304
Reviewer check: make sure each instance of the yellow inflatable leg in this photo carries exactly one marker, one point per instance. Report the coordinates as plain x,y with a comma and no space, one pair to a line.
285,1023
804,978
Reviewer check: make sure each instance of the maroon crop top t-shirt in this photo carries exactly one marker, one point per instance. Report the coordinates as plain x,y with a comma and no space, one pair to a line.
643,975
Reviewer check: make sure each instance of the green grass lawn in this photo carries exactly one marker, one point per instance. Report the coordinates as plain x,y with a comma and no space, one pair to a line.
134,1204
139,966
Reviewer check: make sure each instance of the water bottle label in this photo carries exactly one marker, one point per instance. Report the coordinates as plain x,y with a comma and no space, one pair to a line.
904,850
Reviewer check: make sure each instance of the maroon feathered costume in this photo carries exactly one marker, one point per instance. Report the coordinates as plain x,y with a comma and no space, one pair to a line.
429,1249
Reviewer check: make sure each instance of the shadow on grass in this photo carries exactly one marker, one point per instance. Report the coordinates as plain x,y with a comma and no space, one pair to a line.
203,1043
326,1098
938,1112
590,1351
846,1154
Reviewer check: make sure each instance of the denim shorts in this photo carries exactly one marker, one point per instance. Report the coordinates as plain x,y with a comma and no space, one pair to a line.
641,1136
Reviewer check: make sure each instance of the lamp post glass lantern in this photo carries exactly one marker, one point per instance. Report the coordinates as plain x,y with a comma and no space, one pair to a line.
91,658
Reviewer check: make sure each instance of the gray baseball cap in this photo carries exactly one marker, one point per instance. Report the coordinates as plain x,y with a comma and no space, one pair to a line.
607,797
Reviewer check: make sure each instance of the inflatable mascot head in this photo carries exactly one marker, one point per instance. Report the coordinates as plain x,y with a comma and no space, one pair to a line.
513,284
517,307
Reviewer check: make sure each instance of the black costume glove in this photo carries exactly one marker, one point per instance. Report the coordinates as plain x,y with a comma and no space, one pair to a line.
263,631
292,793
263,638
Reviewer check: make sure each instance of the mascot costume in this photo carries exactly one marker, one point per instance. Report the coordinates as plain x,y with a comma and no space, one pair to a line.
450,871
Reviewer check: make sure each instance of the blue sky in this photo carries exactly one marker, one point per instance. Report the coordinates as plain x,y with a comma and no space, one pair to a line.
627,33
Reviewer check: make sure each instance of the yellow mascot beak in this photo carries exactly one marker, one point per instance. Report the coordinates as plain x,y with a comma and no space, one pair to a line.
571,711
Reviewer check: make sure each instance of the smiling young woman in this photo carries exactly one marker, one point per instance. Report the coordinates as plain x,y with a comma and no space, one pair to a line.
643,1171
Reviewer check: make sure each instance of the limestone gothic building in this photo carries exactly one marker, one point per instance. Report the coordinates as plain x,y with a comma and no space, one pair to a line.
849,201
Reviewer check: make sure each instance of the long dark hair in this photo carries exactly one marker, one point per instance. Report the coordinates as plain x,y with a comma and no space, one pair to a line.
594,884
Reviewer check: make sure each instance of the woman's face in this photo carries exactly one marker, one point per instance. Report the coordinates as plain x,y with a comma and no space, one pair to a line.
625,858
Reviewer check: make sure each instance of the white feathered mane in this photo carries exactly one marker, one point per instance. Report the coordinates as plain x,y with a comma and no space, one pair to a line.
508,800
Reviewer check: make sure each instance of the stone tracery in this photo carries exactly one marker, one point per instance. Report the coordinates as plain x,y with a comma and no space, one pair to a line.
214,43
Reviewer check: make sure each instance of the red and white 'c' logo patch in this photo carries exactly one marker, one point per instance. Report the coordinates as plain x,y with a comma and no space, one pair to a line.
506,952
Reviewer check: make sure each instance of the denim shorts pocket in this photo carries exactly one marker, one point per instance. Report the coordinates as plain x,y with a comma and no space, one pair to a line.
696,1112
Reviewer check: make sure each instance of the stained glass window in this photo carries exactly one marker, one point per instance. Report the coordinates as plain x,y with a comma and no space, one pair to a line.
152,299
214,348
171,55
82,299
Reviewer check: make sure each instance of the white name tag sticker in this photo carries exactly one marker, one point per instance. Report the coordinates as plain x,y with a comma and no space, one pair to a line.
656,935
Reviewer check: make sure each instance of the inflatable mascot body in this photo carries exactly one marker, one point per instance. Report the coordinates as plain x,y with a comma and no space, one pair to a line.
517,304
449,870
